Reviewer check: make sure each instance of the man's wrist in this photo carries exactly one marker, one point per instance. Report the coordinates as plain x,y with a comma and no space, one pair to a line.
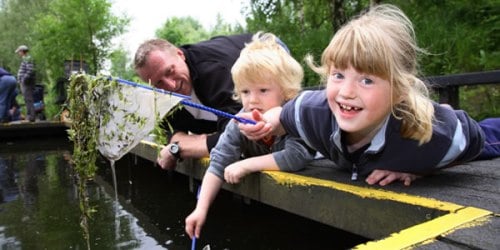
175,150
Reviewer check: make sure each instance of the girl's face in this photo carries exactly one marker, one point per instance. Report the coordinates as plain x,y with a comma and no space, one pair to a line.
359,102
261,96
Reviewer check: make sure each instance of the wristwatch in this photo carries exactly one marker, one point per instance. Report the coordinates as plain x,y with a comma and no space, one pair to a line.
175,150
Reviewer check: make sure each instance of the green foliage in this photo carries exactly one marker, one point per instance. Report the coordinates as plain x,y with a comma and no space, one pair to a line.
461,37
121,64
305,26
84,133
480,101
186,30
58,30
76,30
16,21
223,28
182,30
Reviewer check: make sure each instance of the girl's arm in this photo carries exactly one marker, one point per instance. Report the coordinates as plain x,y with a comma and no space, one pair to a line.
209,189
267,124
386,177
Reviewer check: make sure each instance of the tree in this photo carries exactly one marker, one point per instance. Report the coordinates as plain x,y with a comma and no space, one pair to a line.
303,26
182,30
223,28
121,64
186,30
58,30
16,21
459,36
76,29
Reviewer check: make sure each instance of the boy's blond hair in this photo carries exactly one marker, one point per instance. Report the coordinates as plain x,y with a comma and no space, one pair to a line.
382,42
265,60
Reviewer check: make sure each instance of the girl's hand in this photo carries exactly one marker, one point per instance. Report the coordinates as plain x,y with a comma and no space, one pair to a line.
385,177
257,131
194,223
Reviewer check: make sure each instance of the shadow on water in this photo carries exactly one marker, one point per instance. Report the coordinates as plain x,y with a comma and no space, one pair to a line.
39,209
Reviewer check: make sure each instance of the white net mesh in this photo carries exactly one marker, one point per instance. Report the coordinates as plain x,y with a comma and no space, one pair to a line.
131,117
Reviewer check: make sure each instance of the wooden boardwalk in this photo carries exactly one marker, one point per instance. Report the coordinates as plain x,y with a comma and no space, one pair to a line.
458,208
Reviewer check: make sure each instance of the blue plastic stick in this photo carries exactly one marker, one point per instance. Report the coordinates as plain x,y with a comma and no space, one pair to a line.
193,242
189,103
217,112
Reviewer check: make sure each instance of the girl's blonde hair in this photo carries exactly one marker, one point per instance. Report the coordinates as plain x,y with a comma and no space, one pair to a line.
263,60
382,42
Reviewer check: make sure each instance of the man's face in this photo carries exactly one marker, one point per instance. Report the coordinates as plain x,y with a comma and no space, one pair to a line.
167,71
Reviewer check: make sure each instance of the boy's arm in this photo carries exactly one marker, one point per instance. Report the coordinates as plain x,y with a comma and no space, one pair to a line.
208,191
236,171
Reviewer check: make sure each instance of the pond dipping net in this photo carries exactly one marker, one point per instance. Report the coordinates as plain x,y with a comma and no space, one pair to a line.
124,114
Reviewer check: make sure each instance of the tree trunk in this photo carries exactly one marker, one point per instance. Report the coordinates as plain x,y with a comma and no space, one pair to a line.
338,14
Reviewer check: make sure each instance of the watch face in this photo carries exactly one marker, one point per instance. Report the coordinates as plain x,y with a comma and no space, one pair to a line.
174,149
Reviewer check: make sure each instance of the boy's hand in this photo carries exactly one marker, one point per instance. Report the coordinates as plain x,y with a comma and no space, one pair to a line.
194,223
235,172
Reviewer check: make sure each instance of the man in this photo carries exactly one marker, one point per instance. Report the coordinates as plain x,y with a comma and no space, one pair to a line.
202,71
7,94
27,80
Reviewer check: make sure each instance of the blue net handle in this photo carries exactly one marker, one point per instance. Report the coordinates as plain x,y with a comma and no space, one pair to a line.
187,102
151,88
217,112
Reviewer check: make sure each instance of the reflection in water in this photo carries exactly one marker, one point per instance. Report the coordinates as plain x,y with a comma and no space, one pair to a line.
39,208
8,186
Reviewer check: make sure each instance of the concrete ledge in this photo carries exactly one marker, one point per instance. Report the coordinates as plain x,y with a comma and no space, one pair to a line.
23,129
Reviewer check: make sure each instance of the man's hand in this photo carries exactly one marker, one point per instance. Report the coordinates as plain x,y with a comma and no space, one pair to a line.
191,146
166,160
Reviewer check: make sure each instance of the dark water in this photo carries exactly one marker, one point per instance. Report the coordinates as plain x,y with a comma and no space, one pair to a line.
39,209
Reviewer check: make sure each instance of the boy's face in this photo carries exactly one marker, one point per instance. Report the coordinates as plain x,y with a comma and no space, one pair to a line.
261,96
359,102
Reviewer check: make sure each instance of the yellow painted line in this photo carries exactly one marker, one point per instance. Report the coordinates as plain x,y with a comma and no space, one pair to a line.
205,161
151,144
425,232
428,230
284,178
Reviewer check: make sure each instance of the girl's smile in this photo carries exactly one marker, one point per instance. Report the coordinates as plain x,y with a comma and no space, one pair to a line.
359,102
